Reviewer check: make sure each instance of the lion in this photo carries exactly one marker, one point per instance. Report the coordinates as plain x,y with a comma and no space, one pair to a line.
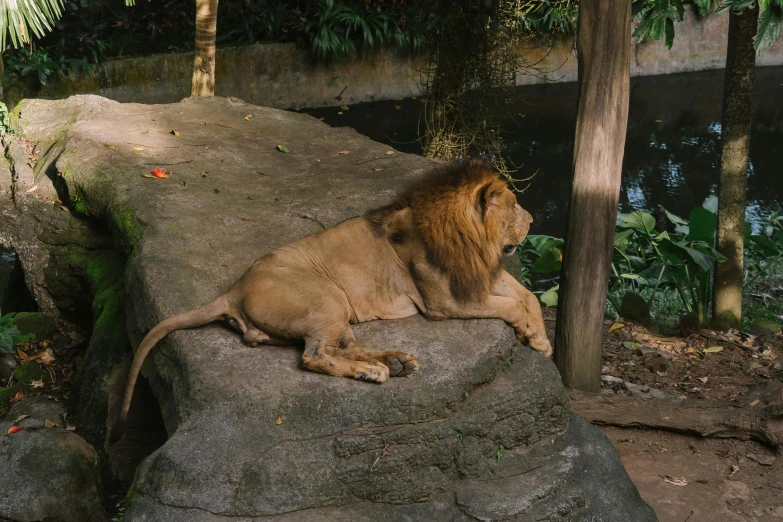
436,250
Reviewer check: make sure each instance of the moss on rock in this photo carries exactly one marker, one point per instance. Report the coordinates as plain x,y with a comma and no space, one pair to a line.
37,324
129,229
105,273
23,376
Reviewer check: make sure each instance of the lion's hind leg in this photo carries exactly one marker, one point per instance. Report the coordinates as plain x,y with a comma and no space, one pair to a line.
400,364
253,337
319,356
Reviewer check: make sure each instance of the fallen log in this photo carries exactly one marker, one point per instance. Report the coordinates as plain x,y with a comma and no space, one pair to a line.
762,422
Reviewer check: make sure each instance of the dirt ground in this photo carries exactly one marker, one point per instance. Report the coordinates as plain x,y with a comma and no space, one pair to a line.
689,478
701,480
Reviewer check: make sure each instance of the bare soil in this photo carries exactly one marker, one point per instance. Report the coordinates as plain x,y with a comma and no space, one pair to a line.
702,365
684,477
701,480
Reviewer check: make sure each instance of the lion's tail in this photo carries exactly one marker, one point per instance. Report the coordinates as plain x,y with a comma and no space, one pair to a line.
200,316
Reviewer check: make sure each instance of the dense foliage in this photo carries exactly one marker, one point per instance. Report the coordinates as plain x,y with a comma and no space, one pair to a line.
663,264
91,31
656,18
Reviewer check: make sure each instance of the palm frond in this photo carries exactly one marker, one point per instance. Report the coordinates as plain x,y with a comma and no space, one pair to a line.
22,18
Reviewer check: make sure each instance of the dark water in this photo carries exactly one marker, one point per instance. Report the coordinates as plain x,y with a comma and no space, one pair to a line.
672,151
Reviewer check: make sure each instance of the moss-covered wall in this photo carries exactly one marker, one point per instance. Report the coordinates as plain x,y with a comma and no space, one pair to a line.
280,76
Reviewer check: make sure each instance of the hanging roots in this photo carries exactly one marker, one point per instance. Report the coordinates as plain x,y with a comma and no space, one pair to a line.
470,77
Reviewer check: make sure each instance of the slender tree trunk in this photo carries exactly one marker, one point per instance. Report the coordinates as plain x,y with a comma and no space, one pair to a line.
735,144
204,55
604,49
2,77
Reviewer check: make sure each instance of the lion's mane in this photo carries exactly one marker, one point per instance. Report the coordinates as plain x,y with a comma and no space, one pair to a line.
445,206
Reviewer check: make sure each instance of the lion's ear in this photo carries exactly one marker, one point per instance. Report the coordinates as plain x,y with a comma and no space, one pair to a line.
487,196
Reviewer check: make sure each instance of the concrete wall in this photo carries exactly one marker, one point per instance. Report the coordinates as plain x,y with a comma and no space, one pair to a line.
279,75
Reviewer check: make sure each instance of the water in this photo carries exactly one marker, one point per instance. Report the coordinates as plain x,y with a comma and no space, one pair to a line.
672,151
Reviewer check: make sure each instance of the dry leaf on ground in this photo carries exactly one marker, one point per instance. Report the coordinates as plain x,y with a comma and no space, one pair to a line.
674,480
616,326
13,429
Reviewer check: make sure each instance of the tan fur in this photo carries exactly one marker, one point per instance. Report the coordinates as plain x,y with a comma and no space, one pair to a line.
436,250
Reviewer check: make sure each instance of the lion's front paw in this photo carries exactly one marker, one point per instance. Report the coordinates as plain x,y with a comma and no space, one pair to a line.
539,342
373,372
400,364
542,346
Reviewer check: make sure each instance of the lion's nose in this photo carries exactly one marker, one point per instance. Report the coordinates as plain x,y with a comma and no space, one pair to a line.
526,217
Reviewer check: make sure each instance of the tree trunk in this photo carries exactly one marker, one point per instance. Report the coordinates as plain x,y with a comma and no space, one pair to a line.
204,52
2,77
718,419
735,144
604,49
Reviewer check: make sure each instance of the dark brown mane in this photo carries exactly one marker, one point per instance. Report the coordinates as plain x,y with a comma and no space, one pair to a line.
443,204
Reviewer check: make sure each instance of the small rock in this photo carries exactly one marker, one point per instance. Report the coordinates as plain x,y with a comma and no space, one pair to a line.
734,501
764,327
764,460
633,306
47,473
7,366
34,323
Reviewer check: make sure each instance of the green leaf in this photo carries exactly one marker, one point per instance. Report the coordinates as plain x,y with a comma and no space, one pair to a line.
677,253
735,5
6,343
652,272
7,319
549,298
621,236
631,345
672,252
769,26
767,245
669,33
543,243
711,203
550,261
675,219
658,29
705,6
640,220
747,230
635,277
703,225
282,148
702,261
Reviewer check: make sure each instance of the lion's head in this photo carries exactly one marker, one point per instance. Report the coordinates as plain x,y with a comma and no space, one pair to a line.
468,218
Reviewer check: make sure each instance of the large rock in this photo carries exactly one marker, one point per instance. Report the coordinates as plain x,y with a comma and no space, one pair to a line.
481,432
47,472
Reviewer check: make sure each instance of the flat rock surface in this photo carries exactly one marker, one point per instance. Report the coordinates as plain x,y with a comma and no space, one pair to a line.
254,435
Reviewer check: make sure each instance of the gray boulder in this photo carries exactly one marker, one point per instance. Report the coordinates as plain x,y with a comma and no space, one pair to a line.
47,472
482,432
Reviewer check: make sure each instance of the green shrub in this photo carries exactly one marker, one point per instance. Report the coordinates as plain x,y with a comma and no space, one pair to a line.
671,270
